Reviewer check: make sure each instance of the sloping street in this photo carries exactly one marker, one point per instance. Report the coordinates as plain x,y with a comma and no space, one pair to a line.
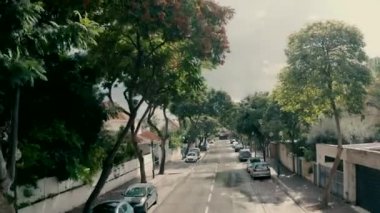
220,184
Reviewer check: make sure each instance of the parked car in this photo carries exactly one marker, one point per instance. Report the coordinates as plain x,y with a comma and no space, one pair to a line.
252,160
113,206
141,196
244,155
238,147
260,169
232,140
197,151
234,144
191,157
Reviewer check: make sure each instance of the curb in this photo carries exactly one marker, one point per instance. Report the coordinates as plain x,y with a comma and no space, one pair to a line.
288,191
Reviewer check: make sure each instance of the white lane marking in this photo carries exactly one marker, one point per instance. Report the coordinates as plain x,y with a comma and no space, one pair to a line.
209,197
212,187
206,210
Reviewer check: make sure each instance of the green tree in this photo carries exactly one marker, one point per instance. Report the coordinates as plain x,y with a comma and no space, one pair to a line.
29,33
326,74
259,115
138,36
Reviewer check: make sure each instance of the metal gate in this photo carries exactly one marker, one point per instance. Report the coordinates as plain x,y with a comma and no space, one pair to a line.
337,184
368,188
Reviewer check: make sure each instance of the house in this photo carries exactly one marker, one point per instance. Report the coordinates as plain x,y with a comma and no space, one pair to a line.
360,172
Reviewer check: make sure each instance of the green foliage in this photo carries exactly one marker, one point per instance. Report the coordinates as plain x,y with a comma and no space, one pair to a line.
326,67
176,139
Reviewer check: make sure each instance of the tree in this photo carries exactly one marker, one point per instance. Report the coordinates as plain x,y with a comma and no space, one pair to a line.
259,114
139,36
29,33
326,74
373,90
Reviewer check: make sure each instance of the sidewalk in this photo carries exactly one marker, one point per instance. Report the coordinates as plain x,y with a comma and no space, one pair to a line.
175,172
306,194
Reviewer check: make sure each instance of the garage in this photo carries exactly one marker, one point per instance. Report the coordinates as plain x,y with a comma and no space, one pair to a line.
368,188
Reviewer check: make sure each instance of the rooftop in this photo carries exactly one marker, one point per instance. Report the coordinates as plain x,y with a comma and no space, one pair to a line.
375,146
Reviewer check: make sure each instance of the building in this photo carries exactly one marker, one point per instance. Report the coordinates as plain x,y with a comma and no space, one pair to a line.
361,172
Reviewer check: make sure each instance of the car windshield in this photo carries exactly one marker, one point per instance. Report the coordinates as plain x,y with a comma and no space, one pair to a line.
105,208
254,160
261,166
245,154
136,192
191,154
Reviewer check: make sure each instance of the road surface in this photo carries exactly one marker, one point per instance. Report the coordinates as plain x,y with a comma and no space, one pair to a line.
220,184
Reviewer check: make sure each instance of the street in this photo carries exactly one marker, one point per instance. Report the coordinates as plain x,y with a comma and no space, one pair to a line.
220,184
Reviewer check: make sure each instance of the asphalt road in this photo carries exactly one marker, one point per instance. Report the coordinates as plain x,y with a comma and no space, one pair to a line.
220,184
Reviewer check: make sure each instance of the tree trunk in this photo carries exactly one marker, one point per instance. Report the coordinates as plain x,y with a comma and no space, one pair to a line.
142,167
5,205
326,192
14,136
139,152
163,158
264,152
107,167
5,185
164,135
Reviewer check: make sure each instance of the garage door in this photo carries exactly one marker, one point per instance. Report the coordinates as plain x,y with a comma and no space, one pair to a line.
368,188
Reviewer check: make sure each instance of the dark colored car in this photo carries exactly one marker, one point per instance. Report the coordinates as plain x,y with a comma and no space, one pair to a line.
244,155
113,206
251,161
141,196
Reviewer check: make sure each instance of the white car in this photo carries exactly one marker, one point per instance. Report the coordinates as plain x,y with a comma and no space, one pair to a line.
191,157
260,169
234,144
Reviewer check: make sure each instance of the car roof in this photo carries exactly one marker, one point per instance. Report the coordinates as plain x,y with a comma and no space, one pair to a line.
245,150
140,185
113,203
261,163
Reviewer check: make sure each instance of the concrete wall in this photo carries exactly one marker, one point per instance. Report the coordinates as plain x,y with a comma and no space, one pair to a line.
286,156
63,196
305,170
351,157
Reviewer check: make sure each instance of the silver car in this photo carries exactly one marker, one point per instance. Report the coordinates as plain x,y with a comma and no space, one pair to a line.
260,169
113,206
141,196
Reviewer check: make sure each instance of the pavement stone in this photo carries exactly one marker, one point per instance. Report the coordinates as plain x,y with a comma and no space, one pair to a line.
306,194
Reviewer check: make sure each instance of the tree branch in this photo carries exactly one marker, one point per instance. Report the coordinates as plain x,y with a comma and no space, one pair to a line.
131,40
153,125
156,48
142,118
166,122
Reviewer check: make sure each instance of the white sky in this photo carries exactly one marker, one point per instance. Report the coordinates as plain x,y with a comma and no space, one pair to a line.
258,36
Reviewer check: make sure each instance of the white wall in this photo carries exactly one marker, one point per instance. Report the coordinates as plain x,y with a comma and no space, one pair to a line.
59,197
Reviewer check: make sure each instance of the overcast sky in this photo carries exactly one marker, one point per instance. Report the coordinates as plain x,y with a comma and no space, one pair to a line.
258,36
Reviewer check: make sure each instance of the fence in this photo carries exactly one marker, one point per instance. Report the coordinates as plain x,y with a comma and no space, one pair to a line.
53,196
337,184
